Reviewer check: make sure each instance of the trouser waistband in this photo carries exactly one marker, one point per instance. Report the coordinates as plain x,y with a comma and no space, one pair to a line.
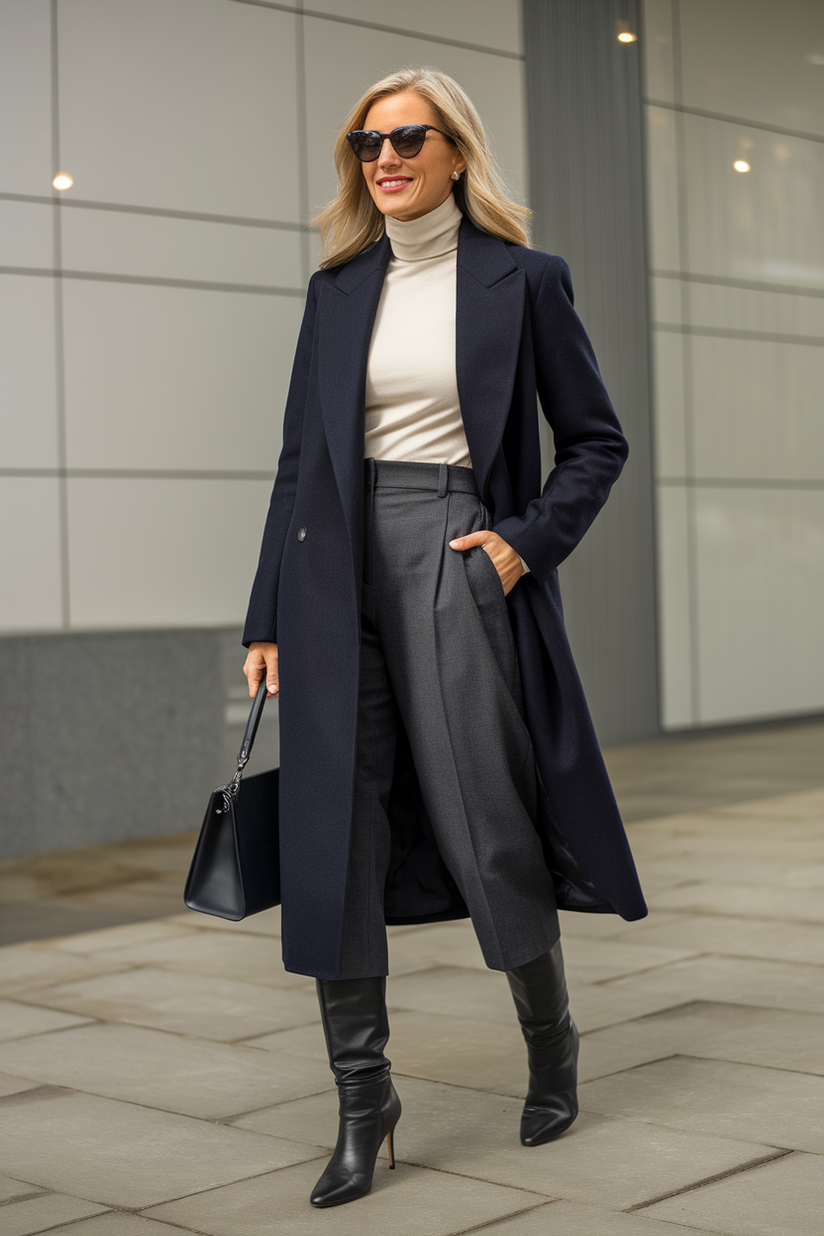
400,474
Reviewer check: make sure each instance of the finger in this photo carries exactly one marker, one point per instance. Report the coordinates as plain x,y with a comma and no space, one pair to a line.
466,542
272,681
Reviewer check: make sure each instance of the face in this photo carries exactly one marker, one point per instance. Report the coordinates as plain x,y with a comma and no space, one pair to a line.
409,188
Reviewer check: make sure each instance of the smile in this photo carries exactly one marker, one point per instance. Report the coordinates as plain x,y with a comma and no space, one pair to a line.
392,186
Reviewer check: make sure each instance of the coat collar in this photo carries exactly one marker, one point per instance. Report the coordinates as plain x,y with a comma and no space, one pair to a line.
490,307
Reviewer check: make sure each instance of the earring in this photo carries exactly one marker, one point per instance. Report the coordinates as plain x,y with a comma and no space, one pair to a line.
455,176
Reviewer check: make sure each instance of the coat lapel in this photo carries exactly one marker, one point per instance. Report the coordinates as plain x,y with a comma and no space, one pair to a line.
491,295
345,332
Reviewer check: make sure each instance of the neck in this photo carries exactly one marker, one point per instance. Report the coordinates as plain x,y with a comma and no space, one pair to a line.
431,235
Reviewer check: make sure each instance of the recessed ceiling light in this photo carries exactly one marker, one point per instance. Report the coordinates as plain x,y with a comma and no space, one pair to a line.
741,165
625,35
63,181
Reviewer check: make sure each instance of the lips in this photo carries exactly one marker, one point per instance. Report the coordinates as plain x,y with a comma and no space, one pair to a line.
393,184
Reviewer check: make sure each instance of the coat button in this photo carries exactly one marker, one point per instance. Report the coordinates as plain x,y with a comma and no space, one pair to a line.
301,534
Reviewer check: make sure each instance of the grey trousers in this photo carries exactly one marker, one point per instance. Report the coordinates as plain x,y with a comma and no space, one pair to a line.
437,652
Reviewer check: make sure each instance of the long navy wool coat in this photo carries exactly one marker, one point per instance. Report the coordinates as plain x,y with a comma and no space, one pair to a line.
517,335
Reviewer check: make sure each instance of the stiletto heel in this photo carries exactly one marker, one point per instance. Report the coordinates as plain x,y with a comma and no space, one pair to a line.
390,1146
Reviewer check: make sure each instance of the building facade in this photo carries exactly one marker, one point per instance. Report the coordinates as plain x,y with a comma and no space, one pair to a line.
148,315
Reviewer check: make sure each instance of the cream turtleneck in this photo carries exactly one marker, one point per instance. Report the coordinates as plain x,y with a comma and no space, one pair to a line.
412,406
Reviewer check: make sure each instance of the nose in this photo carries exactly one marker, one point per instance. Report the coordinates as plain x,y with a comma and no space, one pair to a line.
388,156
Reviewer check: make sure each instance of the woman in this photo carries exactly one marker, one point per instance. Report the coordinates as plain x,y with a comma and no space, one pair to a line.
437,757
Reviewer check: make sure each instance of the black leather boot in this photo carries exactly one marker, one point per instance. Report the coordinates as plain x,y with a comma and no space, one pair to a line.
357,1028
540,994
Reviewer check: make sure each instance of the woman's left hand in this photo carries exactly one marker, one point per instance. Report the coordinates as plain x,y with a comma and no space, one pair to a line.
504,558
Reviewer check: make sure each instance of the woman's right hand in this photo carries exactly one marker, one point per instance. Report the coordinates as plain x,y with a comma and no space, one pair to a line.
262,660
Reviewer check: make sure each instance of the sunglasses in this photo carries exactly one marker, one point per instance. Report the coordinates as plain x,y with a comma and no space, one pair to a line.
407,141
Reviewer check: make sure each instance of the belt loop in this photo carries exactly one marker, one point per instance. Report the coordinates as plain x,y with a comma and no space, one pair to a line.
443,480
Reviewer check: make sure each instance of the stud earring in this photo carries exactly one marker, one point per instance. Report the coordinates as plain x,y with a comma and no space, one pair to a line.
455,176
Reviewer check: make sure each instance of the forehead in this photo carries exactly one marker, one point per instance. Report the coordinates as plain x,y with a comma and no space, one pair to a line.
397,109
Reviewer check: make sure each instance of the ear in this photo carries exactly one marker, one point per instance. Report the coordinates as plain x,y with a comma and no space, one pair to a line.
459,165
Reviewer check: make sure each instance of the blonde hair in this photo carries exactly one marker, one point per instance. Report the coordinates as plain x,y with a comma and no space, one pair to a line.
352,221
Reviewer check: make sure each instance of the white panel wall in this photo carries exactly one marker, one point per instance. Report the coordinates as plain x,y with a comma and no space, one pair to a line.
738,306
148,316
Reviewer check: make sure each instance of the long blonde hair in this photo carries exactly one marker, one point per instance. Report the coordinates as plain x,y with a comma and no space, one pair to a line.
352,221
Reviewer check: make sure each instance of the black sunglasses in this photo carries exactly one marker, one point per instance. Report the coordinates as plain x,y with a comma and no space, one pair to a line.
407,141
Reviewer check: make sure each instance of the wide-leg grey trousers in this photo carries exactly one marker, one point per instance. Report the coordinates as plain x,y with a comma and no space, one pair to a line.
437,652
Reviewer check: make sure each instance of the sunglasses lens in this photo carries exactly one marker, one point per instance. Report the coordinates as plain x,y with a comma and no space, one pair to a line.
366,145
408,140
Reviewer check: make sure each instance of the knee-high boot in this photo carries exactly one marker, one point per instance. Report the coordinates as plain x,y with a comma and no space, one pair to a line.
357,1028
541,1000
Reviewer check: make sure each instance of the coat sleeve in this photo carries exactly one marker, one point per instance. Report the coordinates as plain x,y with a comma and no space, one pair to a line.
590,448
261,616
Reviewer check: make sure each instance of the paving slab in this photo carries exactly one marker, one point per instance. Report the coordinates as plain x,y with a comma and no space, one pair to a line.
783,1198
435,944
676,869
775,1038
26,966
47,1210
18,1020
458,991
411,1200
119,1154
775,1107
9,1084
805,805
156,897
739,980
119,937
592,961
117,1223
266,923
10,1187
747,900
771,940
458,1130
183,1003
485,1055
217,954
166,1071
742,843
575,1219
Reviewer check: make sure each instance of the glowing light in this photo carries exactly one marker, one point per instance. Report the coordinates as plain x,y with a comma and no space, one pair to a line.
63,181
627,37
741,165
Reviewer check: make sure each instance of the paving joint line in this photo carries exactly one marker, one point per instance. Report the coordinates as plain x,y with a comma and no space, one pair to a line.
701,1184
481,1227
26,1197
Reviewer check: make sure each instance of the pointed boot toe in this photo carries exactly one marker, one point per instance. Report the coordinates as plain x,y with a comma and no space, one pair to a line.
540,1124
368,1115
552,1103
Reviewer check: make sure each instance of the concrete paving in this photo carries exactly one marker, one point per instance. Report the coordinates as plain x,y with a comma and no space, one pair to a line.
167,1075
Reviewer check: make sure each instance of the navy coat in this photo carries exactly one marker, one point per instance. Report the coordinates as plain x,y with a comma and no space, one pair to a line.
517,335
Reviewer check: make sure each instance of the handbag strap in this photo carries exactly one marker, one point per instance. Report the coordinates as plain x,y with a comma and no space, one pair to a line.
249,734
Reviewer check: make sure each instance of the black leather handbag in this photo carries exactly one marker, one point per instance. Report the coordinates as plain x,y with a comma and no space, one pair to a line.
235,869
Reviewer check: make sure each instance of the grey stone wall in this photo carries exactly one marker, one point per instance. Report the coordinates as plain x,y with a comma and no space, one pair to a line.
585,135
113,736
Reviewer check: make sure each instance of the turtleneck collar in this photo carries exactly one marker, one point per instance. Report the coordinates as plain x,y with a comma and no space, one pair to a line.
430,236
